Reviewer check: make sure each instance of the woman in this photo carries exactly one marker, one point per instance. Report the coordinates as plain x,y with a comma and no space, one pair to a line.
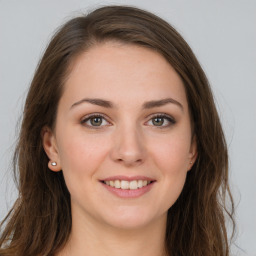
121,150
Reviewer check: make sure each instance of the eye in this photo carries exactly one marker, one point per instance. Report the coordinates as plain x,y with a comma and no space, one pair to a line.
161,120
95,120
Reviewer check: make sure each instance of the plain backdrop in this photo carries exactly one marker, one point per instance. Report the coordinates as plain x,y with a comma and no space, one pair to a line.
222,33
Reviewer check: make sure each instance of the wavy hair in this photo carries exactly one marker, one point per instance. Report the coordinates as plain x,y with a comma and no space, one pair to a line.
39,223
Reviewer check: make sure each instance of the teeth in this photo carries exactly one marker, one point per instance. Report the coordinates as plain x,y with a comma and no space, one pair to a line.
134,184
117,184
140,183
124,184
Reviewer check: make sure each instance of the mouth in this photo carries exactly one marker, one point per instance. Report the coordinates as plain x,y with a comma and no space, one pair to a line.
127,185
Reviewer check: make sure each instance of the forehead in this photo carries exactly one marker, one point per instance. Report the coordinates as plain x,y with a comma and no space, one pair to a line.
122,71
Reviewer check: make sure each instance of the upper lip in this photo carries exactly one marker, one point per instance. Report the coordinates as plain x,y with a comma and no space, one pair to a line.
127,178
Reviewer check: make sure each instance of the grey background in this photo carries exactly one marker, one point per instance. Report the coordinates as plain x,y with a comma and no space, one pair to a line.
223,37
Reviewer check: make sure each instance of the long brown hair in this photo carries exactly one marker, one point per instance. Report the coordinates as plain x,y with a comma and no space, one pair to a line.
40,221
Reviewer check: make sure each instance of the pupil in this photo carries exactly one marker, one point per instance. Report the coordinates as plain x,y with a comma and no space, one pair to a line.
96,121
158,121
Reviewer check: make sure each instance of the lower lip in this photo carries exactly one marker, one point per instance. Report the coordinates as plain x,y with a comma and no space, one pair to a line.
129,193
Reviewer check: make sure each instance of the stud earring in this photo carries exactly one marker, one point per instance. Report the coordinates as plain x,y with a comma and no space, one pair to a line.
53,163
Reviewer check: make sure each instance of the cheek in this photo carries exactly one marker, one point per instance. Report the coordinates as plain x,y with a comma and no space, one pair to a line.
81,155
171,160
172,155
81,158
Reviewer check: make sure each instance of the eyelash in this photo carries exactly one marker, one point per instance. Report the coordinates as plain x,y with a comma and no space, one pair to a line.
170,119
90,117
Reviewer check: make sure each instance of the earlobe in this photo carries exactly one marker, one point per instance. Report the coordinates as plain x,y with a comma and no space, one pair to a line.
52,165
51,149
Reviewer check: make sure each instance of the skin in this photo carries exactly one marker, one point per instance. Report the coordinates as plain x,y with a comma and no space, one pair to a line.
128,142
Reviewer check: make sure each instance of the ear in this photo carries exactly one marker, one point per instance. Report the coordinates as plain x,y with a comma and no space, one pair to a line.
51,149
192,153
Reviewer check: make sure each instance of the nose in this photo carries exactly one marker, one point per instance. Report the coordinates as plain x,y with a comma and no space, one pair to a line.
128,147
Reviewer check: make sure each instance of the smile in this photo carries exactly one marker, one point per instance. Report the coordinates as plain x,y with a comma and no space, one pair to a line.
124,184
127,186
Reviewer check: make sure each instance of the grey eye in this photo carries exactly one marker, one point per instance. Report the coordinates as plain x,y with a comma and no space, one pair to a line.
161,121
158,121
96,121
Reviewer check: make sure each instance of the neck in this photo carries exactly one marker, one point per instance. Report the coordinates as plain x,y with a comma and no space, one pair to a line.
93,239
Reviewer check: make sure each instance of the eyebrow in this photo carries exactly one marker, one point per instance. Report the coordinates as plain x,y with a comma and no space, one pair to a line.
159,103
146,105
98,102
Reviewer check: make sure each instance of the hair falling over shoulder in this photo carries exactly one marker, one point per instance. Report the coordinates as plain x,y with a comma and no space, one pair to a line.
39,223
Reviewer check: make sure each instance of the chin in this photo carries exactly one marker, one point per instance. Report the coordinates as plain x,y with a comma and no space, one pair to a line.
133,219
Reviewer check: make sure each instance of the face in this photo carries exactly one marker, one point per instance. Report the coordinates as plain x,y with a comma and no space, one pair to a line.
123,136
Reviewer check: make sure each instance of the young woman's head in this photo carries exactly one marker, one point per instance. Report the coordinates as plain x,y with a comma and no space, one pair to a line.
120,126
